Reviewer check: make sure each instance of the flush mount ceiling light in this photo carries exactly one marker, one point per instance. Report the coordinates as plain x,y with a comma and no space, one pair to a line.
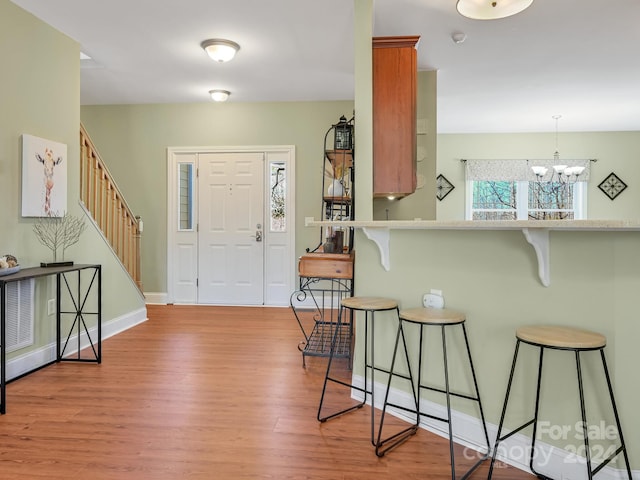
220,50
219,95
491,9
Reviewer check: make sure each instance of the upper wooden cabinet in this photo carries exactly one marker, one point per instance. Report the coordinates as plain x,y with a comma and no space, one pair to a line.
394,115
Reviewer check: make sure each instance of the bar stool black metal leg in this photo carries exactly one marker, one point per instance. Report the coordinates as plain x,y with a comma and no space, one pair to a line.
399,437
328,377
535,416
366,356
587,450
386,395
351,339
448,395
419,377
416,398
373,385
477,393
623,447
504,411
475,385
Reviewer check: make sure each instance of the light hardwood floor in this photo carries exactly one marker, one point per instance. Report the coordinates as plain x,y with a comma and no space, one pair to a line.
199,393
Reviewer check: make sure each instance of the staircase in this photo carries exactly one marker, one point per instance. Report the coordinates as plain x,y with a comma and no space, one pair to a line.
107,206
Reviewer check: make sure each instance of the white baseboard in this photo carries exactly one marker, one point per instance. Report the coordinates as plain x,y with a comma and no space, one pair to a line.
162,298
35,358
155,298
551,461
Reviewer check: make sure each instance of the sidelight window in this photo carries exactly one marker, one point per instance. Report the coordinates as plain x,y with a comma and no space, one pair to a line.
278,191
185,196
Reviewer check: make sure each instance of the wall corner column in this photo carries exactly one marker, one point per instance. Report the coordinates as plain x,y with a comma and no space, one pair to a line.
363,33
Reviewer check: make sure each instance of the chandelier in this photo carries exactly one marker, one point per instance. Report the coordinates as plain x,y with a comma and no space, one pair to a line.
561,173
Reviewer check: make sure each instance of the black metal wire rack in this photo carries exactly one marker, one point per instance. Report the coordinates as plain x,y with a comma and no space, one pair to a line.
316,306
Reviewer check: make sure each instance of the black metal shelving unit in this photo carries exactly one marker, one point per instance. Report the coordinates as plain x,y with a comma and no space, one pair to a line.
326,271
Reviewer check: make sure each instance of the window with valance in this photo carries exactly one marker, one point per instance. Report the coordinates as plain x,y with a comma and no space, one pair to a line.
510,190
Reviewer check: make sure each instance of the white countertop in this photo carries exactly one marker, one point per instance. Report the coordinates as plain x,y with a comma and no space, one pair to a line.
536,232
580,225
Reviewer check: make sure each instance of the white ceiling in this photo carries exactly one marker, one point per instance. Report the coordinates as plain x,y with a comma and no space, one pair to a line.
575,58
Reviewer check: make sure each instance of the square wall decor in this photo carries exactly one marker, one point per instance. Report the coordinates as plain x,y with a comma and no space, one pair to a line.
612,186
443,187
44,177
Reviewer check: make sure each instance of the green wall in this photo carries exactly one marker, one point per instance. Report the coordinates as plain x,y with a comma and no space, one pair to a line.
40,95
133,141
363,62
614,151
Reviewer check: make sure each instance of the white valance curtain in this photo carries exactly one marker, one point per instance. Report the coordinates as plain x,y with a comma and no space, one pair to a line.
519,169
496,170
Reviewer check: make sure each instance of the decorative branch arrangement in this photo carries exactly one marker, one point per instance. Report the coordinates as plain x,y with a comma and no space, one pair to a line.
59,232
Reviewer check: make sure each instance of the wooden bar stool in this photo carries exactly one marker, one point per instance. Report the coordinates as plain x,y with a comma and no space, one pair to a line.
442,318
573,340
369,305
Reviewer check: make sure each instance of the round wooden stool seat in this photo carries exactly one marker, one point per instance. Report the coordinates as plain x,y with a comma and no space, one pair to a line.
433,316
369,303
561,337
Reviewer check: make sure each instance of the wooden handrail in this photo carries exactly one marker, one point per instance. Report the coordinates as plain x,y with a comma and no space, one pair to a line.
107,206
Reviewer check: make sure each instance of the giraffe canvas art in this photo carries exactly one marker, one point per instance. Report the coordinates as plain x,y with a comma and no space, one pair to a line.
44,177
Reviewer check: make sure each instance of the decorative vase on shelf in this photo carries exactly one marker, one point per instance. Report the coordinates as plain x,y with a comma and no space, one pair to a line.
336,189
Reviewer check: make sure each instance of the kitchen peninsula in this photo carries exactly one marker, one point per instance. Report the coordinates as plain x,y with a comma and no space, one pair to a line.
486,270
535,232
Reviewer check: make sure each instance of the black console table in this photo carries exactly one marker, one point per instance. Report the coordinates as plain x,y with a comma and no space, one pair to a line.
78,298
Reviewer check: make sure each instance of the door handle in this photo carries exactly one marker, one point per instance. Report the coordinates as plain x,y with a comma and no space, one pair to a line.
257,236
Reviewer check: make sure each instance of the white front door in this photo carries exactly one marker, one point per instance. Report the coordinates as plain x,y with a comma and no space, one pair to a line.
219,200
231,228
